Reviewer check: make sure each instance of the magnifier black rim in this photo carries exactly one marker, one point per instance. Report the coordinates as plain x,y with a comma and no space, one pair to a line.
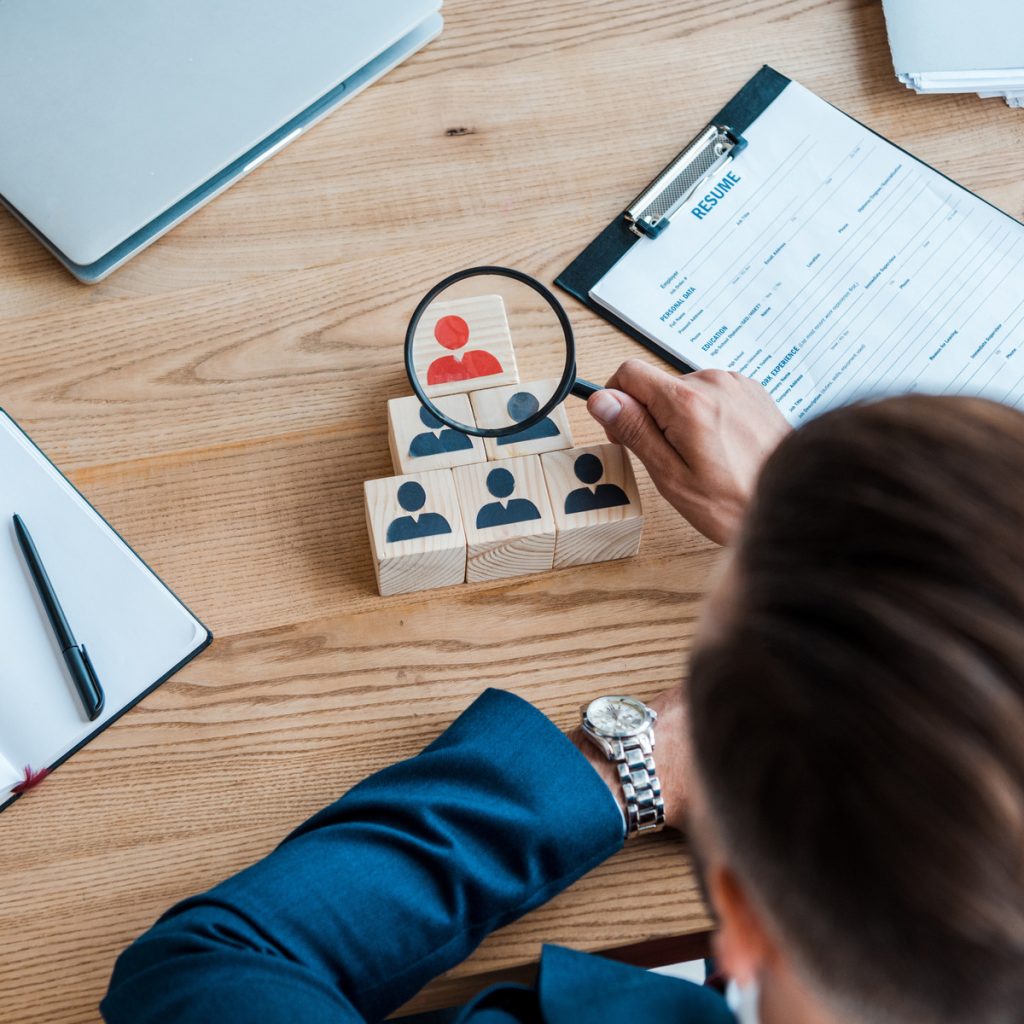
568,373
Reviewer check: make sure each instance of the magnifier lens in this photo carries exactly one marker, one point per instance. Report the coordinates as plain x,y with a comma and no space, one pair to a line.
489,352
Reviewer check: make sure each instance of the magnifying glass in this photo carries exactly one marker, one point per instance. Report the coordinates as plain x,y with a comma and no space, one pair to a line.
489,351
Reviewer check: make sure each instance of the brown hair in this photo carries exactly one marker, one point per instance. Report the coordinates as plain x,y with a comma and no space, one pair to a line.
859,723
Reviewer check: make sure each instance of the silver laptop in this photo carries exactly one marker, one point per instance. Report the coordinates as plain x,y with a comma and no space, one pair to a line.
119,118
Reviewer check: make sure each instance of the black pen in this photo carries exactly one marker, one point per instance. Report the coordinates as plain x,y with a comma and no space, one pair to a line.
75,656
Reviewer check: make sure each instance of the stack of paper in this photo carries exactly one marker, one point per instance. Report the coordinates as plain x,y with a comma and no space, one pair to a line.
953,46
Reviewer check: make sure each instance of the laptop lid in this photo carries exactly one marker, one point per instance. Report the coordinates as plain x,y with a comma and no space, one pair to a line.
113,110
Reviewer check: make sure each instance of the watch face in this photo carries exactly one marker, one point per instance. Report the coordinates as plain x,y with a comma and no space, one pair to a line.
617,716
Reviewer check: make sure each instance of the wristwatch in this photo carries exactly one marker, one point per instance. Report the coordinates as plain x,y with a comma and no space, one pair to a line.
623,727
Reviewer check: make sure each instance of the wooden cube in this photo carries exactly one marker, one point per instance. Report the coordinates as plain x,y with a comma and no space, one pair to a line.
500,407
419,441
464,344
416,532
595,502
507,517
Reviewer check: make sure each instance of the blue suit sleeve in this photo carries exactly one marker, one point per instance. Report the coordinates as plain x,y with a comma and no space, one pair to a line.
394,883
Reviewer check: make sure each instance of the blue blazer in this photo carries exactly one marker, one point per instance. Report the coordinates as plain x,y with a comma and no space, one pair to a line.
400,880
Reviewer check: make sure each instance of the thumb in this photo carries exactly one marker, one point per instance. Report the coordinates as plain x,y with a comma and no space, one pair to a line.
628,423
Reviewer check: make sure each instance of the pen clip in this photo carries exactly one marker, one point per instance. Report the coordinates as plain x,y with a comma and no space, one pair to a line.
97,689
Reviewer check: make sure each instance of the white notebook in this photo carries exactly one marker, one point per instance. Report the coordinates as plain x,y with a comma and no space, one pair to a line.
136,631
832,266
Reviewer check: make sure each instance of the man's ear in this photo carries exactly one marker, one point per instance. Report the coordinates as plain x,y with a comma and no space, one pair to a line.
743,945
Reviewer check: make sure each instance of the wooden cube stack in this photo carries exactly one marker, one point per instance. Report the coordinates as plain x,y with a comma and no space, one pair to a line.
466,509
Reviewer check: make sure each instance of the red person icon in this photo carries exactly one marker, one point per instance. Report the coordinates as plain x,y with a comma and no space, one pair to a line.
453,332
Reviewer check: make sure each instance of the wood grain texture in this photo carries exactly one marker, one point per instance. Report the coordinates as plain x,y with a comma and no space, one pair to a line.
415,528
590,524
452,333
419,441
510,530
492,409
222,398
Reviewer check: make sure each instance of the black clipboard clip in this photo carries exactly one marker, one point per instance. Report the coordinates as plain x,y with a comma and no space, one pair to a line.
653,209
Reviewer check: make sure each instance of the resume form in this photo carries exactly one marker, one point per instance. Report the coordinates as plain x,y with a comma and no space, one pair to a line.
830,266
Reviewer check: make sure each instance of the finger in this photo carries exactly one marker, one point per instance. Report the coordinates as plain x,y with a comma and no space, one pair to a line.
628,423
659,391
638,378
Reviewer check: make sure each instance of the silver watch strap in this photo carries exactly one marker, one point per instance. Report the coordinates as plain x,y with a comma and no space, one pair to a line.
645,808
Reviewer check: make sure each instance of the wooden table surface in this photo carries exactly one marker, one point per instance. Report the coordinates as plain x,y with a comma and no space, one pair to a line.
221,399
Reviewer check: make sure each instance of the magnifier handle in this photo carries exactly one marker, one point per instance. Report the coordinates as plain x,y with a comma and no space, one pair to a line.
585,388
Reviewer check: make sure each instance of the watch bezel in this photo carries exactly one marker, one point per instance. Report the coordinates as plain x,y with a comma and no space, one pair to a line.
650,716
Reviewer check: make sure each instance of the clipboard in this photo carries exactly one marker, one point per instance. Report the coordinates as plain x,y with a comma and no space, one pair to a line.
680,178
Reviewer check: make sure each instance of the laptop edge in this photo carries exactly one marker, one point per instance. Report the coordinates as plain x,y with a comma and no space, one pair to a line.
247,162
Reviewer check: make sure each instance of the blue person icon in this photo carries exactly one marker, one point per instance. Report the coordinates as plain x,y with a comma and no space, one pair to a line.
438,438
521,406
589,470
501,483
412,498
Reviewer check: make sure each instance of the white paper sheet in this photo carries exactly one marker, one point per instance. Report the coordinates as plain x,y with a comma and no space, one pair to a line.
134,628
9,776
950,35
836,268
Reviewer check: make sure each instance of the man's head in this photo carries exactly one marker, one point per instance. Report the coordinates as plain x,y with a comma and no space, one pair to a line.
857,718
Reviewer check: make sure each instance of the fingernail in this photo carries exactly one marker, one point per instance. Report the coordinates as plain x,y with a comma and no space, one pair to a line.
604,406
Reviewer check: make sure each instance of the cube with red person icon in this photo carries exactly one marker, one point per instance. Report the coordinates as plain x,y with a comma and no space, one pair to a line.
463,345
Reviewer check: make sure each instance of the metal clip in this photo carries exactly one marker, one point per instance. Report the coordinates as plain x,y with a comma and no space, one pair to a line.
652,211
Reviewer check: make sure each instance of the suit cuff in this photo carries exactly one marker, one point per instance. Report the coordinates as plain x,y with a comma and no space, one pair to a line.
553,774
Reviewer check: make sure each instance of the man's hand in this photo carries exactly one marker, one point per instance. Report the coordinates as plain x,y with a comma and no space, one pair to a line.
702,437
